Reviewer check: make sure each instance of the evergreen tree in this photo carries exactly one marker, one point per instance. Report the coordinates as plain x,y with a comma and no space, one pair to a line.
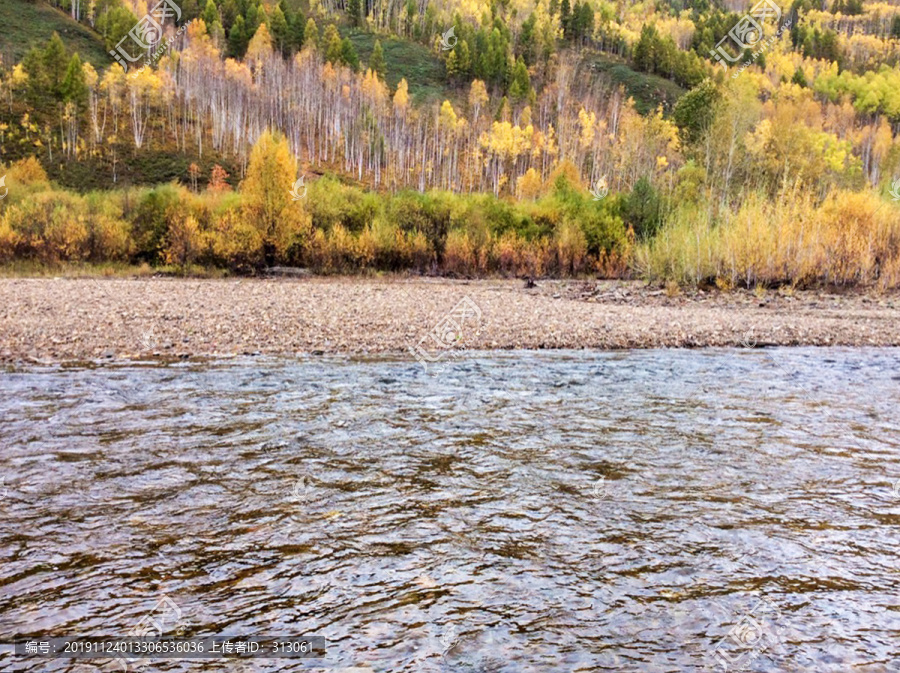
311,34
297,31
376,63
464,60
694,112
527,39
565,18
642,209
33,65
332,43
237,39
278,27
348,54
114,25
229,12
584,22
502,110
190,10
521,83
210,13
55,60
353,11
251,20
73,88
452,65
646,54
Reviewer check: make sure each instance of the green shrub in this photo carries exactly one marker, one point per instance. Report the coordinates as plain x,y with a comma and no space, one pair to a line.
428,214
150,220
333,203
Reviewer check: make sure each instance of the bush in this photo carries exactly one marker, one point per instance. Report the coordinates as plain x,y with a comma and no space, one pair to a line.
150,220
427,214
850,238
48,227
109,235
331,203
236,242
643,210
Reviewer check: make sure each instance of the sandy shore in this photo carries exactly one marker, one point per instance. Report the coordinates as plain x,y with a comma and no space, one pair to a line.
54,320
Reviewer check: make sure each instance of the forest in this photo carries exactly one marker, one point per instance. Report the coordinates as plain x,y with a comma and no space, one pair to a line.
725,143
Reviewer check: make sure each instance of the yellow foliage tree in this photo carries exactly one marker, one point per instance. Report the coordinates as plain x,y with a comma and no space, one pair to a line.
529,185
401,97
280,218
183,241
478,96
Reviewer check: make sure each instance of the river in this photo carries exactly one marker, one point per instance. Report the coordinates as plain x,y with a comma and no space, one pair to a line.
659,510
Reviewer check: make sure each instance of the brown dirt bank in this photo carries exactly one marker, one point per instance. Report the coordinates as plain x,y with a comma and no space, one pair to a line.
77,319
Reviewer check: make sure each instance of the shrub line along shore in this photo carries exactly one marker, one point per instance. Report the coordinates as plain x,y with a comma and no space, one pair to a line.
53,320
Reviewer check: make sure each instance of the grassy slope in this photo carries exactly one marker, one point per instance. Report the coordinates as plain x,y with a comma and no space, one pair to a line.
423,71
648,91
29,24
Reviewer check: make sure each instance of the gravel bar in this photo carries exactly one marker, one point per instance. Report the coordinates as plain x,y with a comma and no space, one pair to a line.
53,320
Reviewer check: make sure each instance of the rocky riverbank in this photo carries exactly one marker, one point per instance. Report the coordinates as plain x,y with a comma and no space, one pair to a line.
67,319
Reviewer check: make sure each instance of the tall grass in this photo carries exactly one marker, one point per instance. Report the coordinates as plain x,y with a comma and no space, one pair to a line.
850,238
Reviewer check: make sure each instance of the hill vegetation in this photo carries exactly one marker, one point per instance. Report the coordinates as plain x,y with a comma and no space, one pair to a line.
518,137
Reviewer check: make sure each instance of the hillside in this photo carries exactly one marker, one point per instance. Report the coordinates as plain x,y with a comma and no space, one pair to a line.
407,60
27,24
529,138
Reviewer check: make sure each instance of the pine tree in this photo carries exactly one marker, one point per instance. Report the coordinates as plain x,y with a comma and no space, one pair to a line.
503,110
520,87
565,18
348,54
237,39
251,20
229,12
55,61
332,43
278,27
210,13
353,11
311,34
297,31
451,64
464,60
73,87
376,63
190,10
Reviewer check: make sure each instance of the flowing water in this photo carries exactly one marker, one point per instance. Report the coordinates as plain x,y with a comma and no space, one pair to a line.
568,511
